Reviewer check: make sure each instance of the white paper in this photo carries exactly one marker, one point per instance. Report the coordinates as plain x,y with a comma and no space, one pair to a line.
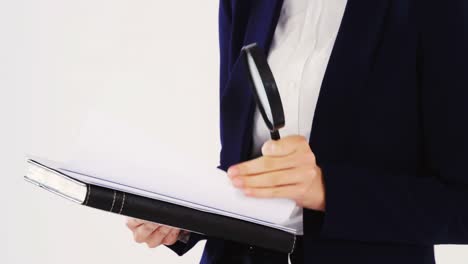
113,150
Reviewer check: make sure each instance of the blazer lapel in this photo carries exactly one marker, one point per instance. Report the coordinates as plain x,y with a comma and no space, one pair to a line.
348,70
262,24
237,104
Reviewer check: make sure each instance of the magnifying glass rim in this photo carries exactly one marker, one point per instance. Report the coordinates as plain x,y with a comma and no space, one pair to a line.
269,83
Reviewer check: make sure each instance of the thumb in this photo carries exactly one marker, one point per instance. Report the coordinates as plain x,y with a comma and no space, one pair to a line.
283,147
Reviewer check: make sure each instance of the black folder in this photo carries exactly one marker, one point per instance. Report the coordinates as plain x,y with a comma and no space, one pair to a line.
114,201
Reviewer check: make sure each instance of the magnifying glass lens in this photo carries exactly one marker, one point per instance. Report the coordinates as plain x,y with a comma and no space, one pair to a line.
264,88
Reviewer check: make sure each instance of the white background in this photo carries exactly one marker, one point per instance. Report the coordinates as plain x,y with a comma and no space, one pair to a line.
155,59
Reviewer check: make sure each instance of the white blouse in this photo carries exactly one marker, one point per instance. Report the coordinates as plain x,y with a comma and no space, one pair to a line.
298,57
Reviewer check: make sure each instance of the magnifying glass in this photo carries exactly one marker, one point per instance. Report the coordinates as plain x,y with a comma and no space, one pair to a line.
265,90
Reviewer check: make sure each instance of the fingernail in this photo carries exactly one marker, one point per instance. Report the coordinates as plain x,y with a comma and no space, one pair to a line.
232,171
237,182
247,192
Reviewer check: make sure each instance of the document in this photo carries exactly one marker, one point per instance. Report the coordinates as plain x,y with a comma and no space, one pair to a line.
113,152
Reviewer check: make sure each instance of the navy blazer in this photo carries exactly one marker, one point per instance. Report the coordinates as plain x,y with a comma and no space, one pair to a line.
390,131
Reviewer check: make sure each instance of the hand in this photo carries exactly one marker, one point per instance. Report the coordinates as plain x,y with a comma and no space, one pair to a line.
152,234
287,169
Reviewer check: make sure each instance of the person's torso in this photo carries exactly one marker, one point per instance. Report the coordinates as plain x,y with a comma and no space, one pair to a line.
378,63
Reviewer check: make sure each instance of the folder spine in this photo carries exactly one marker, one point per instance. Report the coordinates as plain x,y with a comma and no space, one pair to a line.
211,225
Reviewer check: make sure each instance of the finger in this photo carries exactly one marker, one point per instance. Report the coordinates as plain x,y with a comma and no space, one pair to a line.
284,146
289,192
142,232
270,179
156,238
262,165
133,223
171,238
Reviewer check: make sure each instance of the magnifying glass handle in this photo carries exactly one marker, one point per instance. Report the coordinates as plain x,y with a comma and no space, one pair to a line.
275,135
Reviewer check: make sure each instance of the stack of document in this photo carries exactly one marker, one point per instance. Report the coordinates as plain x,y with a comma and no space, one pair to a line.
122,169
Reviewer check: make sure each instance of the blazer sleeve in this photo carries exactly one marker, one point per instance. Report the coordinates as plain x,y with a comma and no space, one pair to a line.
373,205
224,20
225,32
